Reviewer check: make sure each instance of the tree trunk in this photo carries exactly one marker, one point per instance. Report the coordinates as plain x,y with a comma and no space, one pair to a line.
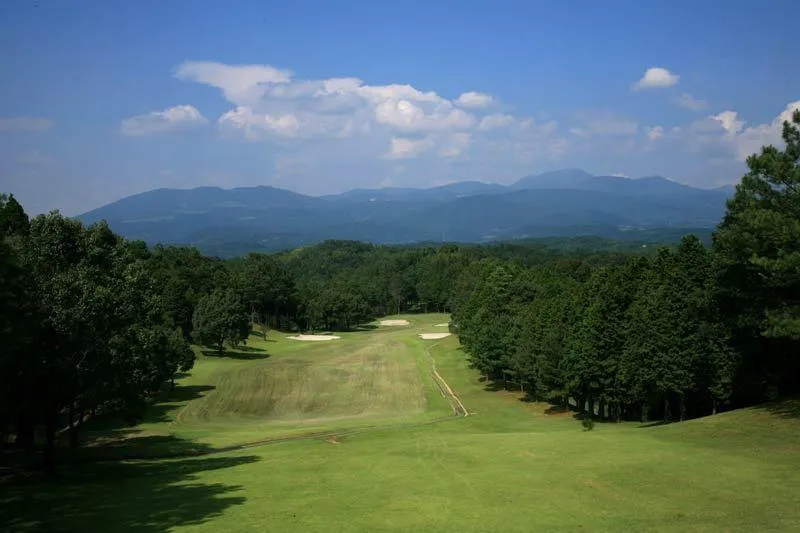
667,414
683,408
25,431
713,406
618,411
591,406
50,445
602,409
644,411
73,428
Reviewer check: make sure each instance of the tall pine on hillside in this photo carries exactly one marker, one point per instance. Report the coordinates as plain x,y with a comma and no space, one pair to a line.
758,243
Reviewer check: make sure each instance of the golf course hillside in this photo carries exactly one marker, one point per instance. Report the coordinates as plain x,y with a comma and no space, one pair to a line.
357,434
354,387
279,386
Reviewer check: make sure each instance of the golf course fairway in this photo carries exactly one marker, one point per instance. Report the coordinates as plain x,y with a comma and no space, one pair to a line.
360,434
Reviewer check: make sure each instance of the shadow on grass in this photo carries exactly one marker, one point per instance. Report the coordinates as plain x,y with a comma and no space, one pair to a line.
260,334
247,353
145,496
784,408
157,411
654,423
130,444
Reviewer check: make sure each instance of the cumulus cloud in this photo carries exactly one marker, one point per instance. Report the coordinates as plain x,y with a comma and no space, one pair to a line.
241,84
729,120
404,115
495,121
475,100
175,118
271,103
656,78
404,148
690,102
655,133
749,140
727,136
25,124
455,145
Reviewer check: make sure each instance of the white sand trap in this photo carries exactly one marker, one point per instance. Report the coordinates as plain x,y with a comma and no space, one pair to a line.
433,336
394,322
314,338
441,325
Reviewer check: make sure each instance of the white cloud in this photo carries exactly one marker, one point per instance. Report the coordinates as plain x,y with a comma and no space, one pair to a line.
729,120
656,78
241,84
455,145
655,133
619,175
348,117
253,124
751,139
406,116
403,148
726,136
475,100
495,121
690,102
171,119
25,124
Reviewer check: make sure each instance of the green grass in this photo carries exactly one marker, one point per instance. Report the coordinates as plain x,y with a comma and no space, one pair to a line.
506,467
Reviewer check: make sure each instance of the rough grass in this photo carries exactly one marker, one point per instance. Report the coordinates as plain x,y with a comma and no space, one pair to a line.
507,467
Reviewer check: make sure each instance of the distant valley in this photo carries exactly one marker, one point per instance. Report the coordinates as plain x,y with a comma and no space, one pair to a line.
564,203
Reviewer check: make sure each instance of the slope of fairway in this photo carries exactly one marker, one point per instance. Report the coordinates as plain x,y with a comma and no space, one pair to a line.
506,467
279,387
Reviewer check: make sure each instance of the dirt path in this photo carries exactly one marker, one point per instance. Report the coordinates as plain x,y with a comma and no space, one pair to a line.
444,388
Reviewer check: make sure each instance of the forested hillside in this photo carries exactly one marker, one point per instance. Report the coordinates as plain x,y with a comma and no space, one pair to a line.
568,203
94,323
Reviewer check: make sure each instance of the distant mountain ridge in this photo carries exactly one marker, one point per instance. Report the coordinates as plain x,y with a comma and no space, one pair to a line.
568,202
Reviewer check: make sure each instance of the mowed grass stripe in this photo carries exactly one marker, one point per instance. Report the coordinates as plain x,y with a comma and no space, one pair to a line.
281,387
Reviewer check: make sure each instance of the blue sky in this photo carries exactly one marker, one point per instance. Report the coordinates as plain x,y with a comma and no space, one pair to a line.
103,99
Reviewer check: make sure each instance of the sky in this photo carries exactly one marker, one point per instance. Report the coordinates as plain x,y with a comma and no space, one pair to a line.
101,99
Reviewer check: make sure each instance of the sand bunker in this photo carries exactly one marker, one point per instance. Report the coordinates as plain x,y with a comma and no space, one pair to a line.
394,322
433,336
314,338
441,325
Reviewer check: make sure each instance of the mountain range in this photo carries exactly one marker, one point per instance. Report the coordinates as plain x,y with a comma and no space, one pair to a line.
564,203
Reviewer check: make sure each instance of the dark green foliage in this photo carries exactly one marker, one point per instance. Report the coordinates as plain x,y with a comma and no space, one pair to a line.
758,246
219,317
588,423
86,330
13,220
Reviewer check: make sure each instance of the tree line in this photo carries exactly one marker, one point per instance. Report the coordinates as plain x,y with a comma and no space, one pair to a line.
676,334
91,323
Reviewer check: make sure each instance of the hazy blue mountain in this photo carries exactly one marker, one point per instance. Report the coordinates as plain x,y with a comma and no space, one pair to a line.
568,178
562,203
